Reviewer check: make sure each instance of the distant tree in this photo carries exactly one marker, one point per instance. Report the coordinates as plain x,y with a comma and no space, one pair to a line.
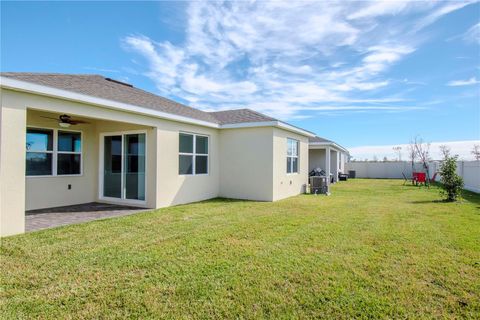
445,150
452,183
385,159
476,151
412,154
398,150
422,151
375,158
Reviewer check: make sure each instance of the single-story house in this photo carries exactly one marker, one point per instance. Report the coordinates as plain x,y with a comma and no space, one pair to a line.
327,155
72,139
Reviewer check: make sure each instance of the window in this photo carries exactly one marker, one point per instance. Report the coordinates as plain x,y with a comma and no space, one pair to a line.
51,152
39,152
69,153
292,156
193,154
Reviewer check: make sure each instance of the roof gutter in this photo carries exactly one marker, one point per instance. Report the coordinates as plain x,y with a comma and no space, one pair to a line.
327,144
29,87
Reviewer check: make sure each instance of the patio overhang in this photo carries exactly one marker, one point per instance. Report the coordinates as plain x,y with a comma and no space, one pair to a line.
323,145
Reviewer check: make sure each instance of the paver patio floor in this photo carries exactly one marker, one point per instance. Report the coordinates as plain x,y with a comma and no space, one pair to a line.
61,216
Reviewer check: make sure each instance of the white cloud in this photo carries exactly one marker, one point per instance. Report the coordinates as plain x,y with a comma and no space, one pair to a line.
200,84
379,8
442,11
164,59
361,85
284,58
468,82
294,69
473,34
380,57
461,148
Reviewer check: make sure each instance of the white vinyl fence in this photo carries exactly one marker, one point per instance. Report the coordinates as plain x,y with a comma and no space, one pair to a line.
469,170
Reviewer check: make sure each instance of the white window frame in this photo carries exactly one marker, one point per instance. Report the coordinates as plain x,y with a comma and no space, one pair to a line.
293,156
194,154
55,153
101,168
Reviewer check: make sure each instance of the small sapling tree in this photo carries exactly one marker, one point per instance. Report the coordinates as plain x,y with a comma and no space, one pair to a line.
452,183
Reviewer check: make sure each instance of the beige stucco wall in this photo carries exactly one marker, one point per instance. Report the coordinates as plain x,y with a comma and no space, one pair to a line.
316,159
164,186
287,185
253,164
12,168
246,163
45,192
173,188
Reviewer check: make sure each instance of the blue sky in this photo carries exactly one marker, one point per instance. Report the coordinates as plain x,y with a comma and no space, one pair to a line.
360,73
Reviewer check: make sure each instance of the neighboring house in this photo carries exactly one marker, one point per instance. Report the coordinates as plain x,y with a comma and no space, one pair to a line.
72,139
327,155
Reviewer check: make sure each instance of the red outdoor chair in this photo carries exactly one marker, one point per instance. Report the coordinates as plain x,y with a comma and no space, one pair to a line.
419,178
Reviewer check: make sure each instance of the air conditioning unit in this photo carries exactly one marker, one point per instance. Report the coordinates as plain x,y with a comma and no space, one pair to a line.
318,185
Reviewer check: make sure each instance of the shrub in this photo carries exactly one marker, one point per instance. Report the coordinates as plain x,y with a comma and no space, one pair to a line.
452,183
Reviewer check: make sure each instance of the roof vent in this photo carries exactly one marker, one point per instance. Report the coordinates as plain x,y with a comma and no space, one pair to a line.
119,82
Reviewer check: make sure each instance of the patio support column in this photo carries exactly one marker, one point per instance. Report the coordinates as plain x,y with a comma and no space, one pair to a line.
327,166
335,165
13,120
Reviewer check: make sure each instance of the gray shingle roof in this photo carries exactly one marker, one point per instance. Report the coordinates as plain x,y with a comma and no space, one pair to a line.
98,86
106,88
239,116
318,139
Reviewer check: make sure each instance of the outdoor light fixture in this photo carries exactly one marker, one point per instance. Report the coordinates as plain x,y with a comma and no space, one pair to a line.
64,124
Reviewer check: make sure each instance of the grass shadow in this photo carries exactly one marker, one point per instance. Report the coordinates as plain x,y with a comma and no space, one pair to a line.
471,197
466,196
428,201
227,200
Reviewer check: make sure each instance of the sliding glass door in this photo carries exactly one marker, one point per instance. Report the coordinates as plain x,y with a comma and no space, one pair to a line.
112,167
124,166
134,159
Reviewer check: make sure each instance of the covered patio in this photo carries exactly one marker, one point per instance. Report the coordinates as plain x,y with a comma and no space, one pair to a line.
84,170
84,161
328,156
63,153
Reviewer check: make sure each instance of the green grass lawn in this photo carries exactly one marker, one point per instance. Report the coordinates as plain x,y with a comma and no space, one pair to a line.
374,249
